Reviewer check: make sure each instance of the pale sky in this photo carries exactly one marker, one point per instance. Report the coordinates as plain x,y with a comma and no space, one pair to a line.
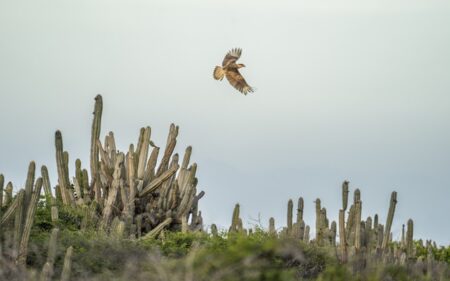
356,90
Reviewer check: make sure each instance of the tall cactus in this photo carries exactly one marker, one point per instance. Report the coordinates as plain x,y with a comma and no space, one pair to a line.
2,182
12,208
403,236
345,195
358,225
306,235
333,230
143,153
318,221
214,230
29,219
409,238
47,187
63,178
301,228
48,269
67,266
375,221
235,218
95,137
342,236
272,230
300,207
389,220
29,182
356,196
8,194
114,190
18,219
289,216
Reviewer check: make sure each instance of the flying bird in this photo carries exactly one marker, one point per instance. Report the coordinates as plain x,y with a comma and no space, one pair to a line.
230,70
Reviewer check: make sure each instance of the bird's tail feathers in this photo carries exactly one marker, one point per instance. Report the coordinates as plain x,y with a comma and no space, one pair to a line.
219,73
247,89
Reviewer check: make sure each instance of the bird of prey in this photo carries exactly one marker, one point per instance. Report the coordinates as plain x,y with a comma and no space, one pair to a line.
229,69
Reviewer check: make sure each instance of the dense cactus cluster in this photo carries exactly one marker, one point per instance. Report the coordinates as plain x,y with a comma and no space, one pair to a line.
128,195
355,240
132,187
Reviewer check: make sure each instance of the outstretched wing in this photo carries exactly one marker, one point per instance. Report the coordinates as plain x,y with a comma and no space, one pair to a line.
237,81
232,56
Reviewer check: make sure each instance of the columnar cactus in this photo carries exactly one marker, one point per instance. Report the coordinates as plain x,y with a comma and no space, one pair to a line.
47,187
306,235
318,221
52,246
143,153
389,220
12,207
67,266
350,226
342,236
29,219
48,268
402,242
18,221
345,195
409,238
358,208
29,182
8,194
300,208
113,192
214,230
301,230
235,219
375,221
368,238
289,216
2,182
333,230
63,178
50,200
95,137
272,230
356,196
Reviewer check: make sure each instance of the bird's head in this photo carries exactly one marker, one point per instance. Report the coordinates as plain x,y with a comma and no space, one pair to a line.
240,65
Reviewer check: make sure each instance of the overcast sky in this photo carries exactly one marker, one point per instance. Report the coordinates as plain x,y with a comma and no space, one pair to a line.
356,90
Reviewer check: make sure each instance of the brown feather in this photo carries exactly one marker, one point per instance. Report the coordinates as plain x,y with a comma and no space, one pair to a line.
237,81
231,57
